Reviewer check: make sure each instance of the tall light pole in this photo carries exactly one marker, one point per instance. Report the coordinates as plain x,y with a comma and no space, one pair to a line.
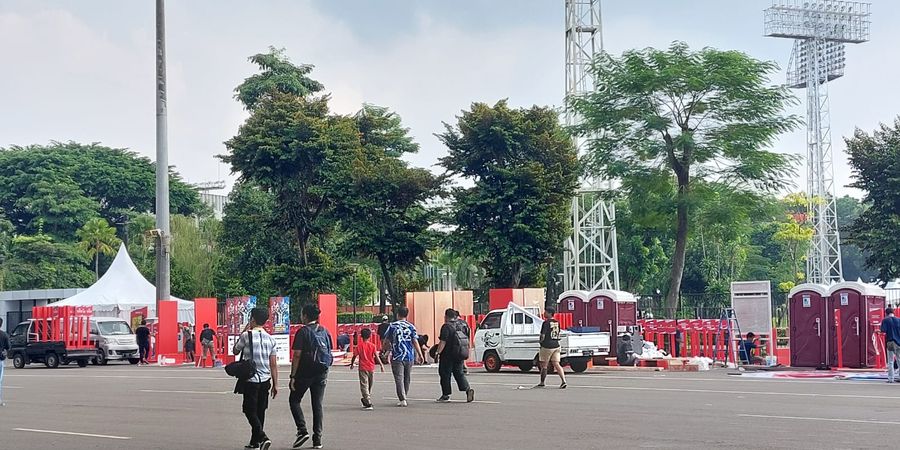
162,162
819,30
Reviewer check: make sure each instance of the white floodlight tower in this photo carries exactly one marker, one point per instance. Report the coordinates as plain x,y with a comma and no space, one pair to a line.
590,258
819,29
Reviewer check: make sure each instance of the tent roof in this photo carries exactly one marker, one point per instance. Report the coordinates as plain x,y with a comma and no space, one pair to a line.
121,286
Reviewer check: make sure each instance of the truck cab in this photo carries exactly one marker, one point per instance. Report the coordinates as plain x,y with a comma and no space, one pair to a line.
26,347
511,336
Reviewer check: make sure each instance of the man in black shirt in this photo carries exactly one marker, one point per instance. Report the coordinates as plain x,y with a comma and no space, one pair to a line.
142,334
207,345
4,350
451,354
549,353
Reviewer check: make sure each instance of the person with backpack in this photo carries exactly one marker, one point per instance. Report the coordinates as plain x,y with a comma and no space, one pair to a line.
402,338
258,346
309,372
452,353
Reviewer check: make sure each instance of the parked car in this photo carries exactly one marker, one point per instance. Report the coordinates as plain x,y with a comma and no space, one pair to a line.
26,347
115,340
511,336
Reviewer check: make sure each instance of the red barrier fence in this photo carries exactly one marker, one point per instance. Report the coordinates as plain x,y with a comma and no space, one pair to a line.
67,324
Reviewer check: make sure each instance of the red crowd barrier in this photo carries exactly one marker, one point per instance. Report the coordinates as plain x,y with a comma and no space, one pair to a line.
67,324
698,336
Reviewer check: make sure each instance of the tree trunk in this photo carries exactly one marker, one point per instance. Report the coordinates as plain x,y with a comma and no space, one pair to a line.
386,274
96,266
681,235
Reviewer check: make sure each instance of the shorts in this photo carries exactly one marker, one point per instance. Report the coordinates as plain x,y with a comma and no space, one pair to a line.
207,344
549,355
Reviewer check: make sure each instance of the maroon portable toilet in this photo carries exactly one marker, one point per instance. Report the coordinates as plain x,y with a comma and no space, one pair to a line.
611,311
574,302
861,309
810,325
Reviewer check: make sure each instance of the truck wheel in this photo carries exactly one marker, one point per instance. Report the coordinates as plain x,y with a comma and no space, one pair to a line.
101,358
526,366
492,362
578,365
51,360
19,361
82,363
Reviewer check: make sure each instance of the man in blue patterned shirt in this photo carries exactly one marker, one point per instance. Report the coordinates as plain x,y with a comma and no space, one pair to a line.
402,337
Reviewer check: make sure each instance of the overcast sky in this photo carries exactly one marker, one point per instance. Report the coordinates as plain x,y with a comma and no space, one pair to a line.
84,70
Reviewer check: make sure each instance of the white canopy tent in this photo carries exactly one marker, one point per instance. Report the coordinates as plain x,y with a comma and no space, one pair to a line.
123,289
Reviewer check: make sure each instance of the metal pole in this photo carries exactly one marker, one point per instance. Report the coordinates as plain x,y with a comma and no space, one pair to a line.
355,274
162,162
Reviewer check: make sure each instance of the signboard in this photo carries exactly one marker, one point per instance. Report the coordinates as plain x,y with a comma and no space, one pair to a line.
282,347
600,303
806,301
571,305
845,299
237,313
752,304
137,315
279,315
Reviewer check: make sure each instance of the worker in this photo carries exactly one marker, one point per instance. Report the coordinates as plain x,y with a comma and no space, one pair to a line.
746,351
625,351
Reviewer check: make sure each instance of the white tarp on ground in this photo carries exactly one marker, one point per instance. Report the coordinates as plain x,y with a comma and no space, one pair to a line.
123,289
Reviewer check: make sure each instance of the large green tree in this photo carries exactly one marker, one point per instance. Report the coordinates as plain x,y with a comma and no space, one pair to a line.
382,201
705,115
38,262
97,238
523,169
875,160
63,185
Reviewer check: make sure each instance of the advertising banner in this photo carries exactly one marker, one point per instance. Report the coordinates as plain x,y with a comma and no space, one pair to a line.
237,313
137,315
279,315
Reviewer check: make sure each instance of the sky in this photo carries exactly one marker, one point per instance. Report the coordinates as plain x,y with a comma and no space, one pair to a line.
84,70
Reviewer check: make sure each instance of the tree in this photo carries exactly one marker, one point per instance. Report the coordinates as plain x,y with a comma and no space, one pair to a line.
37,262
697,116
524,170
875,160
853,262
382,206
96,238
195,256
292,148
63,185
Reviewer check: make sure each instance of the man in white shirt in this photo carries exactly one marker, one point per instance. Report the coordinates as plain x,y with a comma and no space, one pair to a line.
256,389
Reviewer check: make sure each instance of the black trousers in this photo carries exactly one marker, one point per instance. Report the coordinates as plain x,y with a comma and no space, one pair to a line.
144,350
452,367
256,401
316,388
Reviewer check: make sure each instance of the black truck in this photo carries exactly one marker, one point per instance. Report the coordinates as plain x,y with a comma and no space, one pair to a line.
26,348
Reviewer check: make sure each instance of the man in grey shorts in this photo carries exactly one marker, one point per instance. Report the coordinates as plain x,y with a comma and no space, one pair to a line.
549,352
207,345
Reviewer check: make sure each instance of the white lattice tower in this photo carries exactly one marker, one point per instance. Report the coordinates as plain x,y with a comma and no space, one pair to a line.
590,259
819,29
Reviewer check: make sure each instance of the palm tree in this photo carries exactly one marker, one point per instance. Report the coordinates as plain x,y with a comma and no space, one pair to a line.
97,237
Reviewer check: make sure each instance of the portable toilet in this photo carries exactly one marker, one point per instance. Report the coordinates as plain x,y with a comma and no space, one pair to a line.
810,325
861,308
612,311
574,302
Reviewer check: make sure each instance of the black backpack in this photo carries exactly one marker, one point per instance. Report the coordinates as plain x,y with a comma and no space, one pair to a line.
462,340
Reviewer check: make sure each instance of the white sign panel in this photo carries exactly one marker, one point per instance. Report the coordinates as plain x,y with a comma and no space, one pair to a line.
599,303
752,303
845,299
282,347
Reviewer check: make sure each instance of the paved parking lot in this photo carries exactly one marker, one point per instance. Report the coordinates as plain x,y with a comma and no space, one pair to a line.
121,407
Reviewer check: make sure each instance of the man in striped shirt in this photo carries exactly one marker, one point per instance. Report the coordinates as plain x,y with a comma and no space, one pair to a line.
256,389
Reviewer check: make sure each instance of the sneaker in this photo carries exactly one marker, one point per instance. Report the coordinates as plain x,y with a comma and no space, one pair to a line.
540,386
470,395
363,401
402,404
368,408
265,444
317,443
443,399
301,439
563,386
251,446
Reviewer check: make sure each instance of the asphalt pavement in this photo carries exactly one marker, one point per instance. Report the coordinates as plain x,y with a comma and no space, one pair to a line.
129,407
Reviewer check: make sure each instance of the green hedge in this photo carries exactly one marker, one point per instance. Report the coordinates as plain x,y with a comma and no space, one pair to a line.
361,317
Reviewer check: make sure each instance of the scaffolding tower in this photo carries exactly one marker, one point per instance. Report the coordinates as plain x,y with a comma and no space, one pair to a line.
819,29
590,258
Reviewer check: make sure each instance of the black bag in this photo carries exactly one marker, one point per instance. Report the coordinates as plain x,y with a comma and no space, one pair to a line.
243,369
462,340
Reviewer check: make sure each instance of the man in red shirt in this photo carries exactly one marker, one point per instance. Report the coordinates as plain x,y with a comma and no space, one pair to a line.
367,354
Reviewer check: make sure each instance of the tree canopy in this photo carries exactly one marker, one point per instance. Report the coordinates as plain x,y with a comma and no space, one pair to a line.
525,169
692,116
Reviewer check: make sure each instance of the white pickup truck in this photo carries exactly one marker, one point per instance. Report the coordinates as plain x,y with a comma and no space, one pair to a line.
511,336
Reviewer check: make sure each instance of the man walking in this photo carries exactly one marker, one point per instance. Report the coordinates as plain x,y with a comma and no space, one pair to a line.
452,353
207,345
260,346
309,372
404,352
549,352
890,326
4,351
142,334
